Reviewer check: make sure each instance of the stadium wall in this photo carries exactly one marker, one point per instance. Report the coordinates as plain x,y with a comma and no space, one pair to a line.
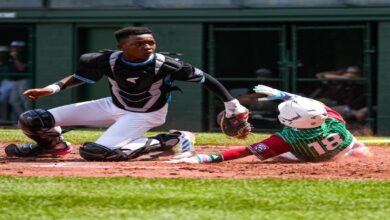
62,33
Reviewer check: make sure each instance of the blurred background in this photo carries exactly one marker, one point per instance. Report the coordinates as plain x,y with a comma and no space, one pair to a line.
337,51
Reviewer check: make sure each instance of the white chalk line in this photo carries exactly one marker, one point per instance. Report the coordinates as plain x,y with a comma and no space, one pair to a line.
84,165
71,165
376,141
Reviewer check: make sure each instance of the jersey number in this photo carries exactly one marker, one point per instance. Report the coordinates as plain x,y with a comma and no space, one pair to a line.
329,143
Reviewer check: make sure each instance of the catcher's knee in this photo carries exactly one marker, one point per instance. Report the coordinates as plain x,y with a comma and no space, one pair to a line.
38,124
36,119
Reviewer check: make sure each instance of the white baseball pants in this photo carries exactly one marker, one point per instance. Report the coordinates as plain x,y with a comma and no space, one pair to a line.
125,126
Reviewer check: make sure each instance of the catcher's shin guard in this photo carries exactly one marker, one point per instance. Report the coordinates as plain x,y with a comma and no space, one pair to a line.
174,141
141,146
38,124
179,143
95,152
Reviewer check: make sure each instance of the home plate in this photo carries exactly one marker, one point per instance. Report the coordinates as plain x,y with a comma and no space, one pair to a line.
71,165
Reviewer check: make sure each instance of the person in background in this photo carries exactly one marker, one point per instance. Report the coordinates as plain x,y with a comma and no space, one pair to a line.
17,100
269,107
345,97
262,114
18,55
6,83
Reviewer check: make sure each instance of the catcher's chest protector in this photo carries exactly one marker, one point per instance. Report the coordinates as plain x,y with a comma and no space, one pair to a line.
141,88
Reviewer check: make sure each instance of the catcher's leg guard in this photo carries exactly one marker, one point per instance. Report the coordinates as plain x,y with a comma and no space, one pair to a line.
175,141
96,152
38,125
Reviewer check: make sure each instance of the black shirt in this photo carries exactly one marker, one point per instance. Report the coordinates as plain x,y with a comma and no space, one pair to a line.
138,88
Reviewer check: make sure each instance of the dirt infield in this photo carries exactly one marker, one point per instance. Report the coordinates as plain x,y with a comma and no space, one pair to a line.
376,167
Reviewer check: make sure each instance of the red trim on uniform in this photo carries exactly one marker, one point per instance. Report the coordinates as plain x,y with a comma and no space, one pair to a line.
274,145
333,114
235,153
270,147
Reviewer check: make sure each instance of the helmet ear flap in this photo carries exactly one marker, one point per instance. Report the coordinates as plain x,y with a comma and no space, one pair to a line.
302,113
282,120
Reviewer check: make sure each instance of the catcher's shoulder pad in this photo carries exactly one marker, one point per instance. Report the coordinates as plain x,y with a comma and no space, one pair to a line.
171,64
94,60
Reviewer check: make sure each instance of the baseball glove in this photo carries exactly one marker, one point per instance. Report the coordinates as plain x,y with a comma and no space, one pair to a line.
236,126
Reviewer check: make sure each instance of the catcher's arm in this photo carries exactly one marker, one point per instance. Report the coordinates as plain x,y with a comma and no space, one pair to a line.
272,94
235,116
67,82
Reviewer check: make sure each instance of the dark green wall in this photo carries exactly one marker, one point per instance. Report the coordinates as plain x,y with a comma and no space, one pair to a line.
54,60
58,43
185,111
93,39
383,117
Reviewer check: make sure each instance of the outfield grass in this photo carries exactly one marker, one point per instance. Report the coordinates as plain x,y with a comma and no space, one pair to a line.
131,198
202,138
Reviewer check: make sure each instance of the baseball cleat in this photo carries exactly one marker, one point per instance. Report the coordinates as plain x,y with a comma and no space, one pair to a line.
59,150
359,150
22,150
185,147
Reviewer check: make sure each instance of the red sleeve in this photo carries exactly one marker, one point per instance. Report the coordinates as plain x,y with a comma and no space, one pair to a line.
333,114
270,147
264,149
235,153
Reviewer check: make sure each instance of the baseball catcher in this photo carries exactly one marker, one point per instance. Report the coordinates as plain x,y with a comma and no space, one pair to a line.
141,83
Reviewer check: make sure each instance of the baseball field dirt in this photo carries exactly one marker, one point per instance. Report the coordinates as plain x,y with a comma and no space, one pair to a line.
376,167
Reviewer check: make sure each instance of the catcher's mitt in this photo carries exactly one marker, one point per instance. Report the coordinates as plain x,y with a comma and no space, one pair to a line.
236,126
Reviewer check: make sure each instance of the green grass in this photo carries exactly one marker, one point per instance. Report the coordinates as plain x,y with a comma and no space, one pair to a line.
132,198
202,138
81,136
137,198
